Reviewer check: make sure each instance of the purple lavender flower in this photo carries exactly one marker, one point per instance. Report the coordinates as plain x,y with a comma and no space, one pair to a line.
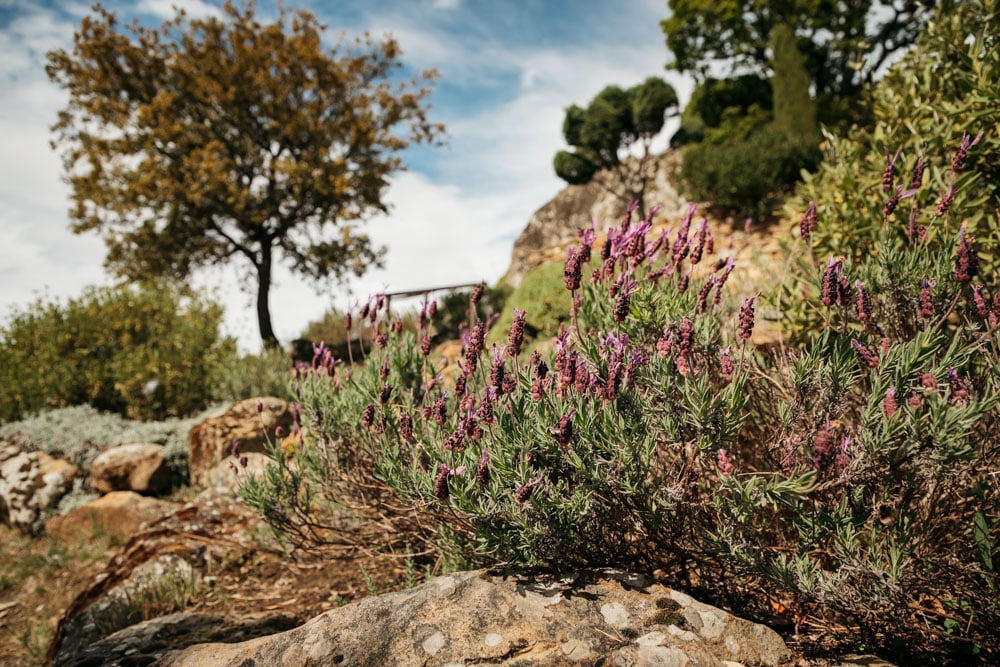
440,410
917,178
483,469
368,416
726,363
946,201
966,260
441,482
347,321
685,335
867,357
573,269
700,239
523,494
745,328
959,390
958,161
828,293
683,283
809,223
980,302
894,199
425,345
889,173
864,301
564,433
383,372
844,454
724,462
516,336
728,267
823,449
926,300
405,426
911,225
664,346
385,394
703,293
889,402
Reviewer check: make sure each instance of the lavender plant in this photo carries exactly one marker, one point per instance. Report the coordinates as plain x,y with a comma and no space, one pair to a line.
855,474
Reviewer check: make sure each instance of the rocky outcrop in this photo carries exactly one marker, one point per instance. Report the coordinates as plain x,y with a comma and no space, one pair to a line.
30,483
210,442
118,514
138,467
511,618
553,227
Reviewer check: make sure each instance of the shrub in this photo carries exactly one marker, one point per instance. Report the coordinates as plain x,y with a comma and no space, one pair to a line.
144,352
945,88
250,375
749,170
854,475
715,100
79,433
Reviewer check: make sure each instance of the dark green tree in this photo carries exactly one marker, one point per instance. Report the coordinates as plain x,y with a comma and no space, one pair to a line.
209,140
615,123
794,109
844,43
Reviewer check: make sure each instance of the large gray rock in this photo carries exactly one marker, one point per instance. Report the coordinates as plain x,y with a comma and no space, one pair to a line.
507,618
210,442
138,467
30,483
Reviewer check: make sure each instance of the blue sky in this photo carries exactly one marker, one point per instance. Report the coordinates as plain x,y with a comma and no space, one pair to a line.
508,70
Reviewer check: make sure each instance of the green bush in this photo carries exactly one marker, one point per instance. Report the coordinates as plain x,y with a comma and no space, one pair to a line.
542,296
144,352
252,375
947,86
853,476
748,170
715,100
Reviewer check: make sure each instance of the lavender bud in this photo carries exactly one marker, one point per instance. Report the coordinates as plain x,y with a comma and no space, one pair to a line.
809,223
946,201
864,302
726,364
516,336
405,426
926,301
483,469
977,298
959,390
966,260
867,357
368,416
745,328
888,174
523,494
685,335
385,394
889,402
958,161
822,451
441,483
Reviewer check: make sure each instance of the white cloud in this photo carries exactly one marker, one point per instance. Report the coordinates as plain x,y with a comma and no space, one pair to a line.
167,9
446,4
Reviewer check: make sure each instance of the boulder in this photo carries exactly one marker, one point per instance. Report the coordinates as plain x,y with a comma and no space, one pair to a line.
211,441
30,483
138,467
227,476
118,514
511,618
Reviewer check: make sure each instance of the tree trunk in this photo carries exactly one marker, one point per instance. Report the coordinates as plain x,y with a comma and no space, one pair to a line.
263,305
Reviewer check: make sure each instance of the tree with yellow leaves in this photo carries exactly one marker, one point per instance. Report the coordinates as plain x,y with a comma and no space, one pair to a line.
212,139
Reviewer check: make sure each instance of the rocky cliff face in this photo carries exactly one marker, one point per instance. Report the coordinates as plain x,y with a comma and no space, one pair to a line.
553,227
